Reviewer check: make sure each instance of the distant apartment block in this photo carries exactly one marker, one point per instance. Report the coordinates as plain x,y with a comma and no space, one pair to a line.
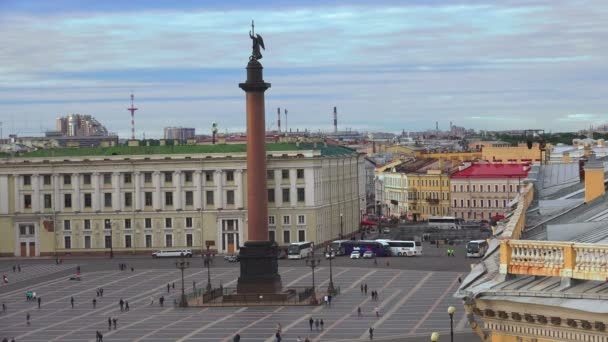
80,125
179,133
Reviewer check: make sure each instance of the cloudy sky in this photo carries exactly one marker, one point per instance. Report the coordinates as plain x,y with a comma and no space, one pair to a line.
387,65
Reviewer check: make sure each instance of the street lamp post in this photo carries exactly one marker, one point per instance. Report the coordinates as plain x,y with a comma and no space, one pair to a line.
451,311
207,263
313,262
182,264
341,226
435,337
330,287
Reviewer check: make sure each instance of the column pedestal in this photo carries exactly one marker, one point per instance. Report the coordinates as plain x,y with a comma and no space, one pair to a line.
259,268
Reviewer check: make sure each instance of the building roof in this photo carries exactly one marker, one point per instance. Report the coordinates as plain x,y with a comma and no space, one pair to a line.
415,165
493,171
329,150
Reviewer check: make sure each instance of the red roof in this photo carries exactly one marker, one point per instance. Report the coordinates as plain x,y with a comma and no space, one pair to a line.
494,171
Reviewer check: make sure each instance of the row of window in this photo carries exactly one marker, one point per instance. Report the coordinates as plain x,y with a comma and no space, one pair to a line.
168,177
480,188
188,223
128,199
128,241
475,215
285,194
301,219
480,202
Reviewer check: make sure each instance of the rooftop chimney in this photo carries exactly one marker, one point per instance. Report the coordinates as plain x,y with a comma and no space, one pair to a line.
594,179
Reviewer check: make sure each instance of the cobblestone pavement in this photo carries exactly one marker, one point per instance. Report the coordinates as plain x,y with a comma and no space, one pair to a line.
412,304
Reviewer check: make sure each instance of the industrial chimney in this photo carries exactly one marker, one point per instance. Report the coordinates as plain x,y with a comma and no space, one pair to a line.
335,120
279,118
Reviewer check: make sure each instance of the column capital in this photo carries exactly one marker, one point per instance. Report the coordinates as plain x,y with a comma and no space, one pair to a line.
239,170
198,171
137,173
96,174
219,171
156,172
177,172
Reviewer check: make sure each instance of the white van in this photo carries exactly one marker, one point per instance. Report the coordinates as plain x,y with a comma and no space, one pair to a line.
173,253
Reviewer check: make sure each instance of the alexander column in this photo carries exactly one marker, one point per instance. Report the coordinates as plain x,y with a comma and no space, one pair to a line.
258,258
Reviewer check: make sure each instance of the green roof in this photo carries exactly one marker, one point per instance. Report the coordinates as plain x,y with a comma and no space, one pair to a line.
330,150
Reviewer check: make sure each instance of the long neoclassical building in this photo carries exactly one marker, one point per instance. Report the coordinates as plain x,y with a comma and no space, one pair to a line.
143,198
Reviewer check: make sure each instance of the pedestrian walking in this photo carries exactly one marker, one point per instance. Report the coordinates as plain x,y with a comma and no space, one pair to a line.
325,300
365,289
14,267
173,285
371,333
329,300
278,337
377,312
359,311
97,293
132,269
109,323
279,328
361,287
94,303
151,300
317,324
100,337
121,303
39,301
3,308
114,322
27,318
101,291
72,301
168,288
193,285
236,338
18,268
126,305
162,300
311,322
321,322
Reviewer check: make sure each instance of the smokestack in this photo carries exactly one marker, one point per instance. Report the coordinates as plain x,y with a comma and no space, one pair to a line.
279,118
335,120
437,126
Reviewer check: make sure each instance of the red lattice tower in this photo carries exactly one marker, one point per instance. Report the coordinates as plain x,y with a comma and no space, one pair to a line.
132,110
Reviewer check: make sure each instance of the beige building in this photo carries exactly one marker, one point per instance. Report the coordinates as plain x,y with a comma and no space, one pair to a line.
139,199
480,191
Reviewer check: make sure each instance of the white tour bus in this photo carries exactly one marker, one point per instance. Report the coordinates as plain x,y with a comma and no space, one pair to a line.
299,250
446,222
173,253
404,247
477,248
336,247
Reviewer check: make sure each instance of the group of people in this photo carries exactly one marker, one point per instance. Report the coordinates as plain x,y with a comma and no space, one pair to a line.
450,251
124,305
316,322
327,299
16,268
123,267
6,339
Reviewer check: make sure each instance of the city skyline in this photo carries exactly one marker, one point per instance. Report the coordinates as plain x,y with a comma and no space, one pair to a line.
485,66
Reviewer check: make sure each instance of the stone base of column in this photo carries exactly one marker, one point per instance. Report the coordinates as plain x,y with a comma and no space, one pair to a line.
259,268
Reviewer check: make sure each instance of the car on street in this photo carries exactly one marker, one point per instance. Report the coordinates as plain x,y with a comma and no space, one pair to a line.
355,255
232,258
386,230
173,253
368,255
330,255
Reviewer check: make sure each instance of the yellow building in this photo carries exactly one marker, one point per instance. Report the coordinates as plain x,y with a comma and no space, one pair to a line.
428,194
139,199
421,152
515,154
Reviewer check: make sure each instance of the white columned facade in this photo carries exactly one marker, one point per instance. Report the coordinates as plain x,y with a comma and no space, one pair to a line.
293,191
36,196
198,194
96,191
137,195
278,192
177,179
239,189
16,180
219,186
4,194
116,203
157,195
76,205
56,193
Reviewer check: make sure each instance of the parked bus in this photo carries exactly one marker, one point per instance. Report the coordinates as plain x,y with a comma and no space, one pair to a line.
404,247
477,248
299,250
379,248
337,248
446,222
